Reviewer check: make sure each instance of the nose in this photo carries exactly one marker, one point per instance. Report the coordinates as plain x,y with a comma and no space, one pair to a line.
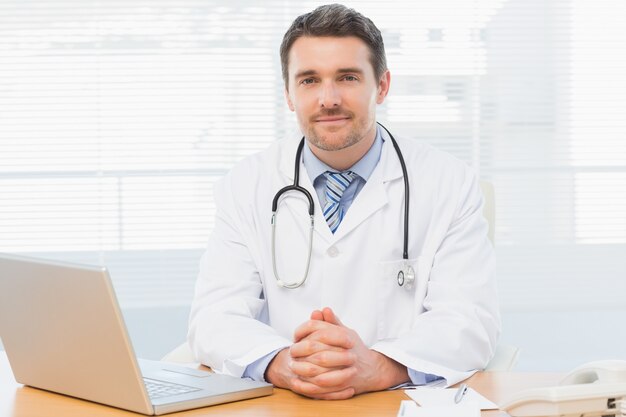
330,96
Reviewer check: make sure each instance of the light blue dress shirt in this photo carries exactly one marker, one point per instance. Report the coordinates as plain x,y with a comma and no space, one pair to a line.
363,168
316,169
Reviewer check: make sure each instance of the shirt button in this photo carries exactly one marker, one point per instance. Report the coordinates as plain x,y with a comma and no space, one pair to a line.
333,252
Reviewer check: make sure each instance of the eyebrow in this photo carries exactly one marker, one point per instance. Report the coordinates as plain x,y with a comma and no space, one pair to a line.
353,69
308,73
305,73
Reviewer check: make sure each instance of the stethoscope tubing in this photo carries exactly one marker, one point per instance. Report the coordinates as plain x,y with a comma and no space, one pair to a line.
296,187
405,250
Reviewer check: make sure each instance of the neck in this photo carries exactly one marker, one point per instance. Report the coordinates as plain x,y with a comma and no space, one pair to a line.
345,158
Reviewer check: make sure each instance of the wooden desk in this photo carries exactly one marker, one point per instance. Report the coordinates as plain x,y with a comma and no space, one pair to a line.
19,401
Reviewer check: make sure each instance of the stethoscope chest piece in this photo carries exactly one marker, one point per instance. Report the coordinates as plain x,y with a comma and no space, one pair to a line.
406,277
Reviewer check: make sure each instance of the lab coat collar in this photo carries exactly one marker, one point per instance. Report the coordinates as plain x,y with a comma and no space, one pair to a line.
286,164
374,195
370,199
388,164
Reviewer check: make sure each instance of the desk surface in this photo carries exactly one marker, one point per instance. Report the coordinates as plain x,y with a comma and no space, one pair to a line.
19,401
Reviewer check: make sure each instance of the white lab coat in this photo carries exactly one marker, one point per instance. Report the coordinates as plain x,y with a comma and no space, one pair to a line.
447,325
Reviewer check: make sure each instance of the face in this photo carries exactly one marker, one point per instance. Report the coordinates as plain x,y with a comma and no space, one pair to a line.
333,90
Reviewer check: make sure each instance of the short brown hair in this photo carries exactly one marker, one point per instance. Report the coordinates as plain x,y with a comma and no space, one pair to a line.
339,21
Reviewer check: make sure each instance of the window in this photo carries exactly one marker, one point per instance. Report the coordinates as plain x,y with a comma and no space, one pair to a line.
117,117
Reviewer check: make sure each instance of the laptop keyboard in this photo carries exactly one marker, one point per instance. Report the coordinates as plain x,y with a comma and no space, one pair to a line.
159,389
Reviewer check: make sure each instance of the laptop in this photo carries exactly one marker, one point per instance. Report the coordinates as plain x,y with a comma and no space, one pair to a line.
63,331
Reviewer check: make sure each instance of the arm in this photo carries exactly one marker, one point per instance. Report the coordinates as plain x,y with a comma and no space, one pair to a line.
226,330
454,335
457,331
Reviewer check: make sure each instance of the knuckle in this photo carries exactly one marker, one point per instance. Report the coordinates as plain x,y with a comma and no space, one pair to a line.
349,340
310,389
332,379
295,384
323,382
309,345
347,376
344,395
294,365
304,388
303,373
293,351
308,370
341,395
305,370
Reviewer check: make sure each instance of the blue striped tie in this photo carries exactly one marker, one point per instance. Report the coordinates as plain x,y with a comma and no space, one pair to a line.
336,184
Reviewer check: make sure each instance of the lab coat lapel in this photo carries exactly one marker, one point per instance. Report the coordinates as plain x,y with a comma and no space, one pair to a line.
374,194
286,166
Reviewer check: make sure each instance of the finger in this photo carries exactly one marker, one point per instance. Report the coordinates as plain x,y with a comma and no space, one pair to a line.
338,395
310,346
317,315
305,369
343,377
330,317
335,336
330,359
311,390
308,327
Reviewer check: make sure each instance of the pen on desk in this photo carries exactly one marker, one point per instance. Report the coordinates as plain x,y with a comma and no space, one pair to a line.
460,393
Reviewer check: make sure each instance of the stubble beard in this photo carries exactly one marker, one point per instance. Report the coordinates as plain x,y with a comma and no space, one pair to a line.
322,140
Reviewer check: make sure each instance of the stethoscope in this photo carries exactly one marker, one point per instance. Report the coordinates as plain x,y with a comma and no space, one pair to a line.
406,275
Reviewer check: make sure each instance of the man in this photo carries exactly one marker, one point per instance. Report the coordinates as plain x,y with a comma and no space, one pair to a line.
350,327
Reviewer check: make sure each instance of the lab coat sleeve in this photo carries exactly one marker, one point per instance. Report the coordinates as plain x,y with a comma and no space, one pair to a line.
456,332
226,330
256,370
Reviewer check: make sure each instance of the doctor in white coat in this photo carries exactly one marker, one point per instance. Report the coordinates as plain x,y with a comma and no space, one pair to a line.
350,327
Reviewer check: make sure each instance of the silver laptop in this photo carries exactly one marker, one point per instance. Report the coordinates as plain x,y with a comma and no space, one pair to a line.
62,330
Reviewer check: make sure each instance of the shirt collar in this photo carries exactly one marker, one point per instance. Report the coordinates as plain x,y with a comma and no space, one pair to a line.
363,168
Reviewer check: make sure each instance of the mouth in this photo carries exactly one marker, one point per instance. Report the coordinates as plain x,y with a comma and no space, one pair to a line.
332,119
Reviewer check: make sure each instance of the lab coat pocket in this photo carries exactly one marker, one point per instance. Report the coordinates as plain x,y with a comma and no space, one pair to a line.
399,305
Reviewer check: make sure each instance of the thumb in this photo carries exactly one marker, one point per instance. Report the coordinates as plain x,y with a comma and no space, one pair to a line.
331,317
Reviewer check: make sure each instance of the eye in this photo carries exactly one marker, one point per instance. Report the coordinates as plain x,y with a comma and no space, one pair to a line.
350,78
307,81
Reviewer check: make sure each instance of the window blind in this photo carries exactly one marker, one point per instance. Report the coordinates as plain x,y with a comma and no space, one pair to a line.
117,117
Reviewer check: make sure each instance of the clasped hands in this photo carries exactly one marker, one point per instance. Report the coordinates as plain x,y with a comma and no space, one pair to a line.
330,361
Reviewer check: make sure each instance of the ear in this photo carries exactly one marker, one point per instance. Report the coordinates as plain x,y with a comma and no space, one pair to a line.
383,87
289,102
